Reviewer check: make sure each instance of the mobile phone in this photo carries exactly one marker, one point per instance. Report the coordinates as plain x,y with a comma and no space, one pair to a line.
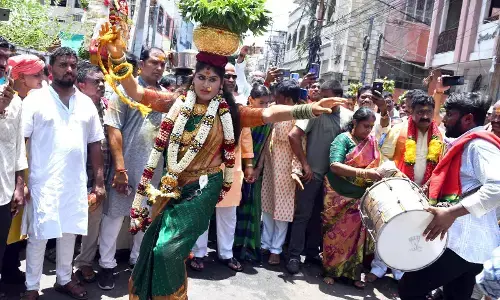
295,76
5,80
453,80
284,73
378,88
314,69
303,94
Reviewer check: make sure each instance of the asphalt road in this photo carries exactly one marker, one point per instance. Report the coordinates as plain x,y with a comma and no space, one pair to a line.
216,282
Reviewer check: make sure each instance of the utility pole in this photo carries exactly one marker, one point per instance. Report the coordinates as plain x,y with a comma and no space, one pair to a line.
495,73
377,57
366,47
155,24
315,41
268,45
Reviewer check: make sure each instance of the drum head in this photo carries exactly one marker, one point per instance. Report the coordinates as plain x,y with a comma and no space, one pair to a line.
402,246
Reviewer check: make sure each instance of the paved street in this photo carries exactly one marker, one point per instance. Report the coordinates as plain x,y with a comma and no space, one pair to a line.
257,282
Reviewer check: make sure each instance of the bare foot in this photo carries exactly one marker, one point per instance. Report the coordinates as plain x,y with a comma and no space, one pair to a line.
274,259
328,280
371,278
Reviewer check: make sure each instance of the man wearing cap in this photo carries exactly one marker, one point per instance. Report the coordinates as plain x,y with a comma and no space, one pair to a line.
27,72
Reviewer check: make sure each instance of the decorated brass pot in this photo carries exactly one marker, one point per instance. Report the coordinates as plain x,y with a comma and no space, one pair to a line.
215,40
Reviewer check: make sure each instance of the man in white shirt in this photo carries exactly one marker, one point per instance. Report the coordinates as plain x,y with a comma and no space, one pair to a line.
467,184
12,151
61,124
245,87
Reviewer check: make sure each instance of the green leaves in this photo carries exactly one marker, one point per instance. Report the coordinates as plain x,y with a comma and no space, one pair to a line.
30,25
237,16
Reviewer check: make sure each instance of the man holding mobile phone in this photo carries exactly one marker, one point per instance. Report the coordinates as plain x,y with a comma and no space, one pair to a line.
13,160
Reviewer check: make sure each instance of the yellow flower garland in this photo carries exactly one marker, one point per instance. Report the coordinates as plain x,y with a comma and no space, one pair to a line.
433,152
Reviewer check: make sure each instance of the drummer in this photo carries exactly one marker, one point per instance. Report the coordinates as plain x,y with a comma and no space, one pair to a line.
467,175
421,135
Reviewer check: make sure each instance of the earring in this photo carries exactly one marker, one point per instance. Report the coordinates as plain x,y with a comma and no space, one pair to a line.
221,91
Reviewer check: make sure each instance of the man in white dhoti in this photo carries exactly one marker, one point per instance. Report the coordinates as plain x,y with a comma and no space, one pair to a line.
61,124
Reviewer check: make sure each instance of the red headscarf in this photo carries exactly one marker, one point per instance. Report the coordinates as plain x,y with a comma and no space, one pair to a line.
25,64
215,60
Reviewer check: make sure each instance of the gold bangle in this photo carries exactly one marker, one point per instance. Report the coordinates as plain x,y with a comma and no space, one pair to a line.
249,165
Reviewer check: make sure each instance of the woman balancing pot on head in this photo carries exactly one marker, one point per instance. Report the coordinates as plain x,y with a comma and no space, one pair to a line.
199,133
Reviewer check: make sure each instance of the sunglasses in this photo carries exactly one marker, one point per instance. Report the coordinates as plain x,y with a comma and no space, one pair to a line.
227,76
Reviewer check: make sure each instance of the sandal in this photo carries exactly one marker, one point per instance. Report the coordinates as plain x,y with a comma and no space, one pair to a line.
86,274
370,278
274,259
196,264
358,284
329,280
30,295
73,290
232,264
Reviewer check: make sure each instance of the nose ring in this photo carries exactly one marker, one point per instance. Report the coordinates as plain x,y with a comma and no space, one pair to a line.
209,89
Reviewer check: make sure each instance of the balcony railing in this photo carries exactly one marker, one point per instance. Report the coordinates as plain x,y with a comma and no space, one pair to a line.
447,40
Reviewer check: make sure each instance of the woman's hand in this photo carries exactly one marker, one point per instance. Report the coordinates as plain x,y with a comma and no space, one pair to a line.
249,174
120,182
373,175
325,106
112,37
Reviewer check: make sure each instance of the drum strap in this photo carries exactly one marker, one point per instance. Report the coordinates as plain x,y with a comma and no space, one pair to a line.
464,195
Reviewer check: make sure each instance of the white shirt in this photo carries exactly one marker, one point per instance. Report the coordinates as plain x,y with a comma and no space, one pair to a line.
12,149
421,158
244,87
58,136
476,235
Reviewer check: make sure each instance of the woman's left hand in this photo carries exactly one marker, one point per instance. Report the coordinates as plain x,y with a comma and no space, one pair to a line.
325,106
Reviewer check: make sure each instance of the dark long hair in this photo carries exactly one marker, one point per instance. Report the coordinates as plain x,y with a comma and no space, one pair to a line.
362,114
233,107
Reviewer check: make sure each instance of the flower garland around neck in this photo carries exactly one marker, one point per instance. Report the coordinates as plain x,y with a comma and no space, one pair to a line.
435,148
171,130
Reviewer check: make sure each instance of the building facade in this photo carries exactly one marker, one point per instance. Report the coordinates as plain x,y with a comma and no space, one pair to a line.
365,40
463,41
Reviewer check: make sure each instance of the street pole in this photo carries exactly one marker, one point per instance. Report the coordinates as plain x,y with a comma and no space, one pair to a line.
155,24
366,46
377,57
269,46
495,74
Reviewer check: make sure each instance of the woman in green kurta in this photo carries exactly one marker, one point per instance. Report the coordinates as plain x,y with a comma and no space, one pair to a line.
354,155
248,214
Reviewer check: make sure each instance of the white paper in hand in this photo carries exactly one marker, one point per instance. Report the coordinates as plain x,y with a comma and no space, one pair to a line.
203,181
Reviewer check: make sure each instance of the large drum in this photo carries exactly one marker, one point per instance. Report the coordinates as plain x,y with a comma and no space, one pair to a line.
393,212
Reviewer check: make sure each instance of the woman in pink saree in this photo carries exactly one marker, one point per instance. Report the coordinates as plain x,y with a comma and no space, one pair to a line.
354,157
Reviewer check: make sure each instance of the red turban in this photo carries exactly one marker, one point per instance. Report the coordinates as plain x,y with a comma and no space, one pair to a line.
25,64
215,60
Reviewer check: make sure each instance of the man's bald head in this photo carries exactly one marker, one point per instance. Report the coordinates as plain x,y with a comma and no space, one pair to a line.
230,68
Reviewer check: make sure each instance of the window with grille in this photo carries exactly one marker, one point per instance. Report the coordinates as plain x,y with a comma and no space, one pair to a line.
406,76
419,11
168,26
161,20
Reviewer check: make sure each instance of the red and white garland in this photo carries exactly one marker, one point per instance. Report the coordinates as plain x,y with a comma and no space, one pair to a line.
171,130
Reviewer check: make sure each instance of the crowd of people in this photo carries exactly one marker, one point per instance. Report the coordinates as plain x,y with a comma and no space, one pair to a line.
73,160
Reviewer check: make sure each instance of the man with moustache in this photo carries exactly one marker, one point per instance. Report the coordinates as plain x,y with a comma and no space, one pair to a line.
63,129
90,81
419,135
494,117
131,137
314,92
465,190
